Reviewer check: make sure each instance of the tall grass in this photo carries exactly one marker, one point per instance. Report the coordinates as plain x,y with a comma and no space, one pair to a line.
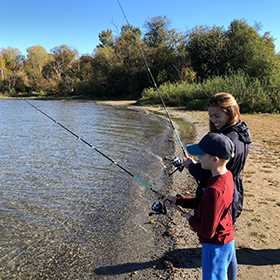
251,94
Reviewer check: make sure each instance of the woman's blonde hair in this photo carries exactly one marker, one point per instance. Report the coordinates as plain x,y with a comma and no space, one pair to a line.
227,103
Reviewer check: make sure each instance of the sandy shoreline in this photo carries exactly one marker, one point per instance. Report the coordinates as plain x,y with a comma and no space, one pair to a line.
257,230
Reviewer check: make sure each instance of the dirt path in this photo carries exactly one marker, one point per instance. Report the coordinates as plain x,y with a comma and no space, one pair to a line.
257,230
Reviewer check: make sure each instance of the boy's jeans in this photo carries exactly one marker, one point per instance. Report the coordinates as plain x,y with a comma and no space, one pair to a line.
216,260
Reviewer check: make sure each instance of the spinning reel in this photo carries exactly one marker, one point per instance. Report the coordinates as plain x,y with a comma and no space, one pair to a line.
158,209
178,163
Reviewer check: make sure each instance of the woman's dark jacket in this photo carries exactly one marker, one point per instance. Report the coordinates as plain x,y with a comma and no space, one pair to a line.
240,136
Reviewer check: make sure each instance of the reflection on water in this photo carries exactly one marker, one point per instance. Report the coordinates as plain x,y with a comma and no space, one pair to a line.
64,208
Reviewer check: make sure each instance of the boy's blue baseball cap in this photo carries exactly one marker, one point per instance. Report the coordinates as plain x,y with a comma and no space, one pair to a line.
214,144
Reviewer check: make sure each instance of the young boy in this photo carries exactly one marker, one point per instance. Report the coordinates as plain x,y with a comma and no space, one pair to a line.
213,223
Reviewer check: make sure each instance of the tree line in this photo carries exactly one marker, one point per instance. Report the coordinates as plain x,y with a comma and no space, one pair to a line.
116,69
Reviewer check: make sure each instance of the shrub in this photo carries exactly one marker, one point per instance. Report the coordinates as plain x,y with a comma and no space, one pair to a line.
251,94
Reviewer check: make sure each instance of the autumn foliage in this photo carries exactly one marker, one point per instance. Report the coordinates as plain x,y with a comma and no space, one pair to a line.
198,61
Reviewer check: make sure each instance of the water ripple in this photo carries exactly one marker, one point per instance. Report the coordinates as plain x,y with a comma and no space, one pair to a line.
62,205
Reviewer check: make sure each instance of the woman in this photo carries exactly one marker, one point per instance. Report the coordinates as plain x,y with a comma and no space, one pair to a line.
225,118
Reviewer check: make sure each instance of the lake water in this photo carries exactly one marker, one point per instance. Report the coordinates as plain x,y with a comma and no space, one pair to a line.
65,209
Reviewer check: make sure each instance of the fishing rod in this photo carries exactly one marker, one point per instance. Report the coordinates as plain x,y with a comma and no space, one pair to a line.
157,207
156,87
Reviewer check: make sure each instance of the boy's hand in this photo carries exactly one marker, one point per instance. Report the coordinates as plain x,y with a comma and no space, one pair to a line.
187,216
188,161
169,200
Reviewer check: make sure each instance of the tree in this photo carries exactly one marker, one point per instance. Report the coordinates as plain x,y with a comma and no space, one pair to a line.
86,78
251,52
37,58
207,51
61,70
166,50
106,39
12,75
215,51
158,32
130,74
118,66
2,68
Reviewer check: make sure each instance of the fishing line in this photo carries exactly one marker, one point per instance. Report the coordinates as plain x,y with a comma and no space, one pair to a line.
154,82
157,207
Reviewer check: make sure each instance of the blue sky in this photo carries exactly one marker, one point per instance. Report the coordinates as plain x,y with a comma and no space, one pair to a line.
50,23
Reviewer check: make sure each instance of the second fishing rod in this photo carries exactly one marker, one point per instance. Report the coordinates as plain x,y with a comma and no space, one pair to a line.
154,84
157,207
176,162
